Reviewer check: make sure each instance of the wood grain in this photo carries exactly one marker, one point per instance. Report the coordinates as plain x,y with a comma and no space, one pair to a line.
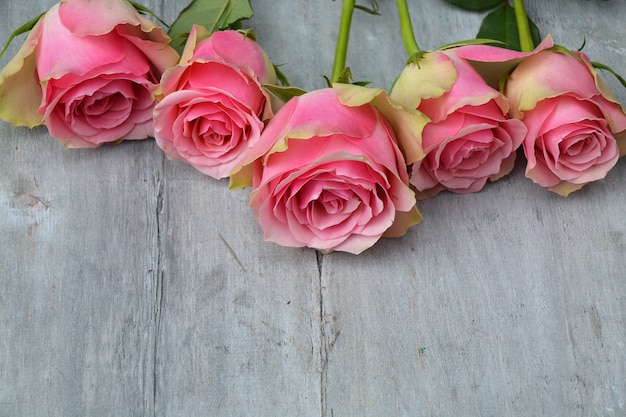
132,285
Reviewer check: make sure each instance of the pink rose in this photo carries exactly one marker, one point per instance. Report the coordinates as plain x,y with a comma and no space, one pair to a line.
575,125
87,70
469,138
334,178
214,105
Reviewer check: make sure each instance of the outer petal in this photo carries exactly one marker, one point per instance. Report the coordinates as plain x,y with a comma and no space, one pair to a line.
430,78
235,48
613,109
242,174
565,188
85,17
297,121
542,76
621,143
402,222
494,54
87,52
153,44
19,105
197,34
170,79
407,124
493,63
468,90
96,18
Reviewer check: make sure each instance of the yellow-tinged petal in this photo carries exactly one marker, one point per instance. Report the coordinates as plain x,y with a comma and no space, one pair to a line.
616,115
20,91
354,95
241,178
565,188
605,91
402,222
431,77
540,76
198,33
621,143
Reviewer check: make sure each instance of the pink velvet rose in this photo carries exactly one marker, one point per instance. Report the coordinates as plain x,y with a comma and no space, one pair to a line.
87,70
575,125
333,179
470,138
213,104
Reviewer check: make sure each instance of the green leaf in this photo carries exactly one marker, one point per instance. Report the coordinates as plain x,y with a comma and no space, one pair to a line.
283,93
212,14
346,78
373,10
26,27
564,50
599,65
476,5
501,25
477,41
280,76
144,10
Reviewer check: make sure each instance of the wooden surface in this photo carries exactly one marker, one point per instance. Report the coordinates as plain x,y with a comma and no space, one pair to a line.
135,286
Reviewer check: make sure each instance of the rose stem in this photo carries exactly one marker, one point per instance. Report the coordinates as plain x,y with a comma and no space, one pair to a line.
410,44
341,49
523,28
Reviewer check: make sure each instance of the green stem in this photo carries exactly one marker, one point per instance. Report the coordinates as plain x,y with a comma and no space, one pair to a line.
407,29
523,27
341,49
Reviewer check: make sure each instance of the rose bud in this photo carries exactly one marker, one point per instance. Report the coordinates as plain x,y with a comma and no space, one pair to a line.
213,105
575,125
470,138
333,178
87,70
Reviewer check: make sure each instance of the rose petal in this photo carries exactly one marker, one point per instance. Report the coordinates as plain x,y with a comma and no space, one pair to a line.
237,49
434,76
19,105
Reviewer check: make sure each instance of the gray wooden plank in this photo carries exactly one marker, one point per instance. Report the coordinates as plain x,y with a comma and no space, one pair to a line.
77,292
239,332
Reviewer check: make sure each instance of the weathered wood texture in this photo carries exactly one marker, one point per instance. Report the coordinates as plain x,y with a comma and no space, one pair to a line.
135,286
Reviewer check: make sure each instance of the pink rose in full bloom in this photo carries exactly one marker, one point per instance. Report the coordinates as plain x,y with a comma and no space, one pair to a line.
333,178
575,125
87,70
470,138
214,106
